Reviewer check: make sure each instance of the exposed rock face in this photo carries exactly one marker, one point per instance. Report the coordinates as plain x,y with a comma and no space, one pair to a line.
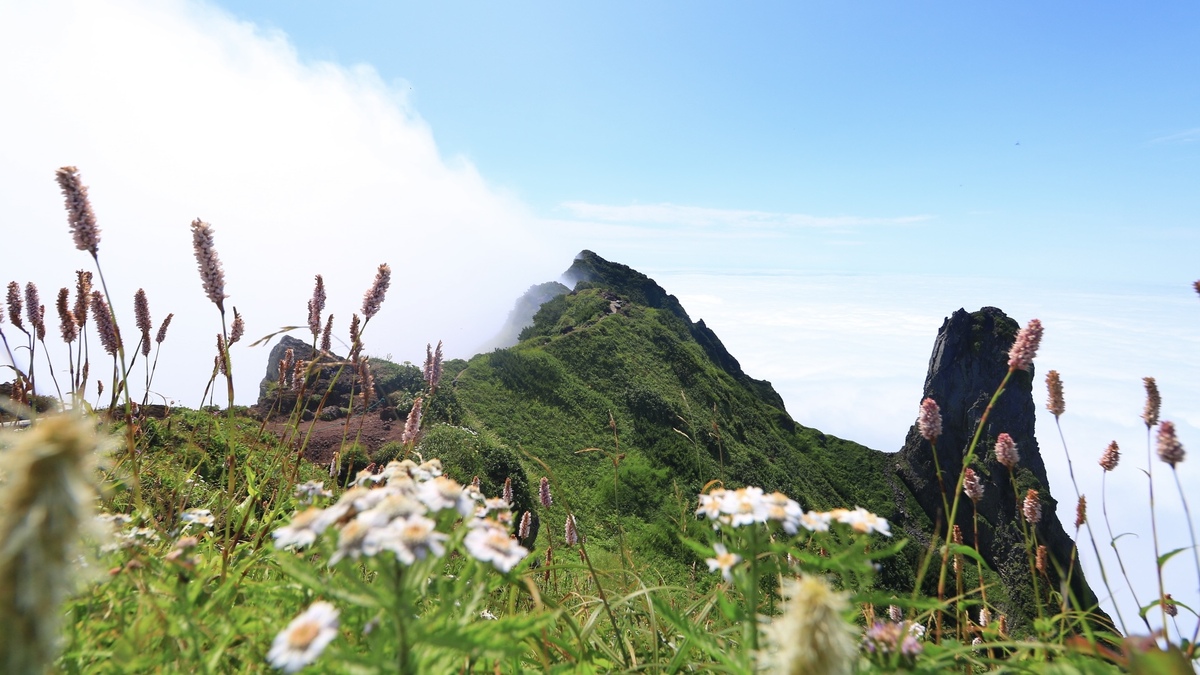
970,359
283,402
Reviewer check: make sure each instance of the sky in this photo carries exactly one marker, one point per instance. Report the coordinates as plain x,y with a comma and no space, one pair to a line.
822,182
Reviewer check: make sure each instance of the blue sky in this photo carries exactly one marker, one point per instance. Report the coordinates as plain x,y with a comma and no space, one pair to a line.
822,183
879,110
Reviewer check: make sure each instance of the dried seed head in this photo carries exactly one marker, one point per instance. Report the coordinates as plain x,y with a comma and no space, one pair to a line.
315,306
285,368
1080,512
1025,347
15,304
1170,450
327,335
355,337
1042,555
368,381
83,291
412,428
572,534
956,537
544,493
929,420
222,355
523,528
972,487
79,210
1032,508
238,329
66,320
211,273
1055,403
985,617
1112,455
1002,625
507,494
1006,451
110,338
373,298
162,330
299,374
1153,402
40,325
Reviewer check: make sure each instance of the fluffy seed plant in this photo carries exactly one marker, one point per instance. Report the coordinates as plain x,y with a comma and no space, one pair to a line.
812,635
45,510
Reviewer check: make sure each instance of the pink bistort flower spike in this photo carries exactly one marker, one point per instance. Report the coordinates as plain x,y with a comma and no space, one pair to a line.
1006,451
1170,450
1025,347
1032,508
929,421
79,210
1153,402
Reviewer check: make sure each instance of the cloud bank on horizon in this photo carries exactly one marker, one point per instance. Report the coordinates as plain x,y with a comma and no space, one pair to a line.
176,110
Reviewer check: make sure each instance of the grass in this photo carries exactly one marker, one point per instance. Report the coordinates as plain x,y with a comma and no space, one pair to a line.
227,551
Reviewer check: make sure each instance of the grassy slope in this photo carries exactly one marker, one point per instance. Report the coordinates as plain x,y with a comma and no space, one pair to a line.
551,396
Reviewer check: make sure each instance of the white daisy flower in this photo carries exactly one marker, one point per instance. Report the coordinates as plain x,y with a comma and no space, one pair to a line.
354,542
427,470
745,506
397,505
489,542
418,538
785,511
862,520
202,517
302,531
304,638
710,504
815,521
444,492
724,561
309,491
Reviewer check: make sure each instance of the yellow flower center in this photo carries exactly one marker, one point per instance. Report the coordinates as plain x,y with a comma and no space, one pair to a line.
303,635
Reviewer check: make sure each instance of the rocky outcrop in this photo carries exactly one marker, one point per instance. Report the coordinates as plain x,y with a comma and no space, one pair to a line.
969,361
318,393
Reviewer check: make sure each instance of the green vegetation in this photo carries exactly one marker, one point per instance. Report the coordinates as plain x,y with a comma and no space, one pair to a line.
611,494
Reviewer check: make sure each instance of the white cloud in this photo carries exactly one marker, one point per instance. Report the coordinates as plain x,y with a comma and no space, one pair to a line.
1186,136
174,110
695,216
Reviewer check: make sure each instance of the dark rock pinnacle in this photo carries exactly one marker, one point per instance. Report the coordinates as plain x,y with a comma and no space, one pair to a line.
969,361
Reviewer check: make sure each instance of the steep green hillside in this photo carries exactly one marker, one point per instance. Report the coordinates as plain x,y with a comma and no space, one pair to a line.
620,355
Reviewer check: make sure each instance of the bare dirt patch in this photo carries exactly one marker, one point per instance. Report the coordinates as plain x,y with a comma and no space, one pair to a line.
325,437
